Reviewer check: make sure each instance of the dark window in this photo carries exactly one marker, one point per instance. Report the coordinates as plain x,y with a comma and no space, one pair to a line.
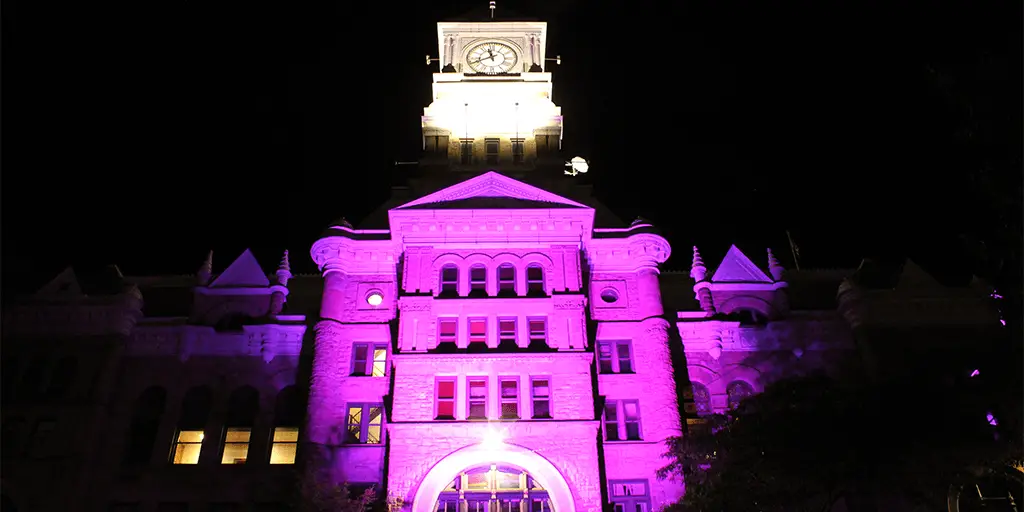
535,280
477,399
449,280
518,151
507,333
701,400
243,406
614,357
149,409
737,392
369,359
622,420
466,151
446,399
436,144
506,280
509,398
478,281
492,148
447,330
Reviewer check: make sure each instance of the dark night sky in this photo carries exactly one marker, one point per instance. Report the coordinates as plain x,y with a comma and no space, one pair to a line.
144,135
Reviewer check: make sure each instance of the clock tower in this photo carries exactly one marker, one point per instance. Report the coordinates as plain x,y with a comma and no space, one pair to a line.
491,105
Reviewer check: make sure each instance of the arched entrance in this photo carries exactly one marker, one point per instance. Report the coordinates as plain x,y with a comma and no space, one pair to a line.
483,478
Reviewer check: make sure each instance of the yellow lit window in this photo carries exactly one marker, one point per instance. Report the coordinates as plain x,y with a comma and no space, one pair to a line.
187,446
380,357
284,446
236,446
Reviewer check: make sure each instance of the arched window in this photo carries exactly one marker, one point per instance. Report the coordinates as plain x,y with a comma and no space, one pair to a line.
535,280
243,405
506,280
189,436
148,410
749,316
478,281
737,392
62,378
449,280
493,487
701,399
289,412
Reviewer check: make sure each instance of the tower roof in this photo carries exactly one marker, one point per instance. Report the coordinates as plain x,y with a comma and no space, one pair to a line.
483,13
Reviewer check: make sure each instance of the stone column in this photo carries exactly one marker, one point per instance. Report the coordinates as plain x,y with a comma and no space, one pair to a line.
326,410
649,291
660,403
333,302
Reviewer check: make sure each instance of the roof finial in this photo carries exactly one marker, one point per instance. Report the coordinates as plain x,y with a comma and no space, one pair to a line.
698,271
206,270
492,6
774,267
284,270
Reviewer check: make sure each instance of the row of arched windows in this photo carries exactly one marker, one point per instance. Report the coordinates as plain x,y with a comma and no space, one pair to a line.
191,430
504,279
736,391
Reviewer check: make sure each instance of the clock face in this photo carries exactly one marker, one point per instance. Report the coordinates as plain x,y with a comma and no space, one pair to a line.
492,58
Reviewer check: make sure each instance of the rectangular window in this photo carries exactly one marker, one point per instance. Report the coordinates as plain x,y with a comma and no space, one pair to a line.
478,330
236,446
622,420
446,330
541,391
477,398
369,359
615,356
284,445
538,330
491,147
466,151
630,495
518,150
436,144
509,398
43,436
507,329
187,445
446,399
365,423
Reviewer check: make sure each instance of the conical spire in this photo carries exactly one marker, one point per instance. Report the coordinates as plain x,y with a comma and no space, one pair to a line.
698,271
774,267
205,272
284,270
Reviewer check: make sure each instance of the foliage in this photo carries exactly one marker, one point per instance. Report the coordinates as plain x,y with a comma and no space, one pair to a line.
319,492
807,441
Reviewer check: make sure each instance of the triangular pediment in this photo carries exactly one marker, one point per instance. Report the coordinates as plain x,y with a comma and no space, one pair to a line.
244,272
64,285
512,193
736,267
913,277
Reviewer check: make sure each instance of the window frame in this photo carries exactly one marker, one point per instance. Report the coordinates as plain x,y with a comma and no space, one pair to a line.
492,158
470,401
478,285
518,151
541,284
506,286
466,151
225,443
534,399
529,327
178,442
370,362
454,399
274,443
628,502
621,429
616,361
515,400
448,287
476,338
505,335
364,422
447,320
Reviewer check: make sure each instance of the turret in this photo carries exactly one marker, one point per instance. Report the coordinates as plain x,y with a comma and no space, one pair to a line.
701,287
279,293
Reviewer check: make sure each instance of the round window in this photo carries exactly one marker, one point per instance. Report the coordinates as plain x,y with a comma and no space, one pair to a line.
609,295
375,298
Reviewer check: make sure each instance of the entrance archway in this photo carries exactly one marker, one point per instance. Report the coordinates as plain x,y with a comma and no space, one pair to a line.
545,481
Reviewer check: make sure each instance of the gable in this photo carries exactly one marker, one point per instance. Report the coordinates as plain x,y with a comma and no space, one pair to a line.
244,272
64,285
913,277
736,267
491,185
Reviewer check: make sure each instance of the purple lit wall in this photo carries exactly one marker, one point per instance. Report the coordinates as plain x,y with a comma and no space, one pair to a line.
493,286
